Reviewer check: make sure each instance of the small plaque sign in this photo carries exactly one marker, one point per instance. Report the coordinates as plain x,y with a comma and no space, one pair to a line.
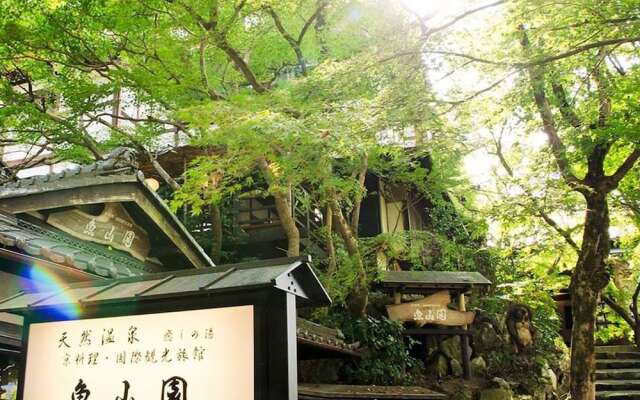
431,310
113,227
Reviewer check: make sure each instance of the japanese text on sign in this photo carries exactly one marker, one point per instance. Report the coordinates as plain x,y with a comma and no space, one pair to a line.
207,353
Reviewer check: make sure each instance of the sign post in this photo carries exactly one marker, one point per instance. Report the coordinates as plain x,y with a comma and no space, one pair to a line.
174,355
224,333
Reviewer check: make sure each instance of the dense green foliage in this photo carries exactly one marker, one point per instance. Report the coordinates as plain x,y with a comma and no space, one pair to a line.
289,98
388,361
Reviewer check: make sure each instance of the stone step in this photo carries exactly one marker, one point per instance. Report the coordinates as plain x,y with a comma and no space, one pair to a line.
621,348
614,374
619,395
617,351
619,363
618,355
617,385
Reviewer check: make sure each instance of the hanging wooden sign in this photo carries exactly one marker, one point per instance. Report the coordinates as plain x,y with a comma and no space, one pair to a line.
430,310
113,227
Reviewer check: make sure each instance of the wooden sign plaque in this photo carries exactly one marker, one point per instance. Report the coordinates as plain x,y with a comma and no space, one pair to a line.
113,227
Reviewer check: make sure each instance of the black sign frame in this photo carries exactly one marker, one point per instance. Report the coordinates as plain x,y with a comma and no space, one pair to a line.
275,351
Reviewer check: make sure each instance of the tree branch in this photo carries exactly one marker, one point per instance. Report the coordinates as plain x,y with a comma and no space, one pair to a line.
618,309
623,169
524,64
603,89
293,43
322,4
203,72
460,17
355,214
562,232
536,77
220,39
566,235
566,109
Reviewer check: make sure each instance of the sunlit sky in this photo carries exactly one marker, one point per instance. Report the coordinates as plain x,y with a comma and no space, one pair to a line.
478,165
436,8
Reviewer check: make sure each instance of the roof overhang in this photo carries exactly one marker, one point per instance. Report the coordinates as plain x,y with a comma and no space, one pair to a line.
421,282
294,276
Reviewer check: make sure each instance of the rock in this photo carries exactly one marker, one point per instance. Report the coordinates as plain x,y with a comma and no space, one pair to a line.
495,394
451,348
456,368
462,394
439,366
486,333
562,366
501,383
431,345
539,395
551,378
478,366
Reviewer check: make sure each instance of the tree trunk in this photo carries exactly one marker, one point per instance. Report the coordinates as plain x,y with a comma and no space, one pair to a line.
320,27
589,278
284,209
359,295
357,204
239,62
216,232
331,248
283,206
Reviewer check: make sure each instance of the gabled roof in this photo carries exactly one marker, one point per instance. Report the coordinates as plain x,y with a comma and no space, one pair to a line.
408,281
47,243
114,180
291,275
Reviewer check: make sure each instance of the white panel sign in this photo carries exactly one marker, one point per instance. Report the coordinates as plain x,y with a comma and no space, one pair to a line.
187,355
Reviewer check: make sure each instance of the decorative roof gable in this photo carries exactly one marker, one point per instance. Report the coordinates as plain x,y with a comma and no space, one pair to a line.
109,203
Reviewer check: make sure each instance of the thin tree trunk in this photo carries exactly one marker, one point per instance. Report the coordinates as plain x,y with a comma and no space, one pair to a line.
216,232
320,26
588,279
284,209
241,64
359,296
283,206
331,248
634,313
357,205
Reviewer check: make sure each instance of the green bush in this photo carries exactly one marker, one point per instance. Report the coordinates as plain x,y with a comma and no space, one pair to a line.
387,360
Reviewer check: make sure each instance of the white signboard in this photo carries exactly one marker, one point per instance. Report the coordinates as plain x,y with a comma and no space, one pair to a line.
186,355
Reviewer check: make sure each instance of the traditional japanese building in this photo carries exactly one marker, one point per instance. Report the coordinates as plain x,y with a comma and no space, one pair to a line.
387,208
103,221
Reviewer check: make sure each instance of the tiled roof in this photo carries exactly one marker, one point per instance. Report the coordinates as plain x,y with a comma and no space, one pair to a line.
121,161
316,335
308,391
114,179
56,246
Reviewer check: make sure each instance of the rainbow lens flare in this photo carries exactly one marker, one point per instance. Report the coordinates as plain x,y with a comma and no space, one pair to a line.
43,280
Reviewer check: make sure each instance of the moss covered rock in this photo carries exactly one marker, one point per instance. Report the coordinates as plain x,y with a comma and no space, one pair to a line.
495,394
